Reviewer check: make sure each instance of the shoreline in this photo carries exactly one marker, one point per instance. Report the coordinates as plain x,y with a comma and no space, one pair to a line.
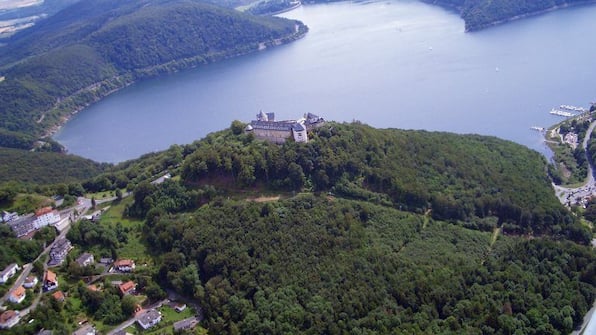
65,108
521,16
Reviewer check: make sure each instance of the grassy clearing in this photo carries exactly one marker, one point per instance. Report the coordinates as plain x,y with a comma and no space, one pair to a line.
114,215
102,195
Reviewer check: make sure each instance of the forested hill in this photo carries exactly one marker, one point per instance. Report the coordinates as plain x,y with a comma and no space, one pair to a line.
480,14
95,46
388,232
451,177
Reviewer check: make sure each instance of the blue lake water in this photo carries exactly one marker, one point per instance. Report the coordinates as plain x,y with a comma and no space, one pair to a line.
390,64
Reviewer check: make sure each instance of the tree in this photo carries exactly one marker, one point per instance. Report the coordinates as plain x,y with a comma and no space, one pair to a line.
296,176
237,127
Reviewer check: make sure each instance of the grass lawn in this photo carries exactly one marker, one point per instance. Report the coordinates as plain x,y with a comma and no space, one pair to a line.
103,194
134,248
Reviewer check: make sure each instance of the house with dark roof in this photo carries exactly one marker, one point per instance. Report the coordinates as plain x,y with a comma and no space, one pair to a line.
30,282
23,225
8,216
9,272
85,259
9,319
85,330
149,318
59,251
186,324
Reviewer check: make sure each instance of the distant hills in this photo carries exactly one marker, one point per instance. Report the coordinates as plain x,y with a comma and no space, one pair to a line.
94,47
480,14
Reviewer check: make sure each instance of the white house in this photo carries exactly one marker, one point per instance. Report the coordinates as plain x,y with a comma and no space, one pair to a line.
9,319
124,265
46,216
149,318
9,272
30,282
85,259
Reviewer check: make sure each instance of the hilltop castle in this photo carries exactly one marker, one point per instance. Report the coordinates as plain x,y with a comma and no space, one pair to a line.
266,128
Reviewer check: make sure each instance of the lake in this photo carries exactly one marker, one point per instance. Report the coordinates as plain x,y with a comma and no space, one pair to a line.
390,64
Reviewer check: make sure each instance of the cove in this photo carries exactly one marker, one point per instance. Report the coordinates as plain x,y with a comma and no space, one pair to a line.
397,63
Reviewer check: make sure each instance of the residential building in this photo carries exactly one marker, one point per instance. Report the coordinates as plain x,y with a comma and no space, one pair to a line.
59,251
185,324
149,318
30,282
85,330
85,259
46,216
106,261
127,288
59,296
50,281
22,226
124,265
179,307
9,272
18,295
8,319
8,216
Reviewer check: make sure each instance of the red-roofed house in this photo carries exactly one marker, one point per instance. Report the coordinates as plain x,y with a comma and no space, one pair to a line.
18,295
127,288
50,281
8,319
124,265
59,296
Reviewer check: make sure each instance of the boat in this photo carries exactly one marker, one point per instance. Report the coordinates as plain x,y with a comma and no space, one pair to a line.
561,113
572,108
537,128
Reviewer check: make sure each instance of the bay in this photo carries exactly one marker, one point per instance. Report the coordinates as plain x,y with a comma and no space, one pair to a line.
398,64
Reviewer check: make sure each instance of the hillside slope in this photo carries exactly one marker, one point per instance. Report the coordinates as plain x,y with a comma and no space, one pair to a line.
479,14
94,47
452,177
391,232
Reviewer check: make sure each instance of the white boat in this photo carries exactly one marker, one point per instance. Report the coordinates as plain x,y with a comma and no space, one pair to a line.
561,113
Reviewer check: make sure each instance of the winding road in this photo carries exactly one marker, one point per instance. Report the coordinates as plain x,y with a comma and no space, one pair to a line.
569,196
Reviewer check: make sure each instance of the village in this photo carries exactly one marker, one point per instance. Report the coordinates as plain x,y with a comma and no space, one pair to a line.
27,284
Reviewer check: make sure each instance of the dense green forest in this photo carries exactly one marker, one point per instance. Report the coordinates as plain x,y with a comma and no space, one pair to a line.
479,14
94,47
45,167
324,264
319,265
375,231
452,177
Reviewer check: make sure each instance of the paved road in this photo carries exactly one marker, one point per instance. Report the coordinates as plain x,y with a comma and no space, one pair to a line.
81,208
